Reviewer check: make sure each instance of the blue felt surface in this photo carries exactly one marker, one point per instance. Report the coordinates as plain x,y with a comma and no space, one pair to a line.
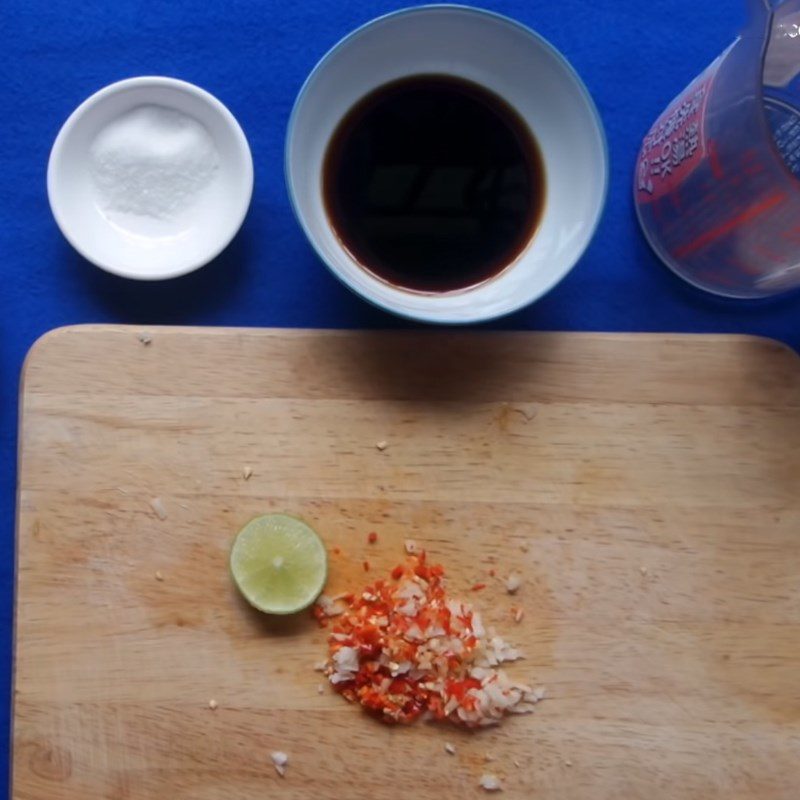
254,55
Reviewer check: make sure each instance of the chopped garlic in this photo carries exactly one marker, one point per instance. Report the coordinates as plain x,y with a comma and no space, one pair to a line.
212,704
411,547
346,660
518,614
280,760
328,606
381,445
247,472
145,338
320,688
450,748
159,576
513,582
158,507
490,783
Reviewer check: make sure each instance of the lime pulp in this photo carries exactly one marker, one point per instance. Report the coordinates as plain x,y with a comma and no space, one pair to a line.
279,563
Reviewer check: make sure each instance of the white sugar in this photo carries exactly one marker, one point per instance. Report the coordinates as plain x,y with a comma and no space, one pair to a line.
152,162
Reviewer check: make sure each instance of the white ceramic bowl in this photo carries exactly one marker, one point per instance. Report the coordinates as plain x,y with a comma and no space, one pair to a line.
149,247
514,62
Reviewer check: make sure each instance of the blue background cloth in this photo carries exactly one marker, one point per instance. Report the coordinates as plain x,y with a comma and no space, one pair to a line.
254,56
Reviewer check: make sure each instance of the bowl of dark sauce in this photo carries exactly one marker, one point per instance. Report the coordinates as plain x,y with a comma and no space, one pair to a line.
446,163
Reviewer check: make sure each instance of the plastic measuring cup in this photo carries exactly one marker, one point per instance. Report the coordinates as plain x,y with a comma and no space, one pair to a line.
717,181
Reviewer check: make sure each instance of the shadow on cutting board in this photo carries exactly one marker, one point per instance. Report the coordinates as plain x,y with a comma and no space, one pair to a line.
422,366
273,624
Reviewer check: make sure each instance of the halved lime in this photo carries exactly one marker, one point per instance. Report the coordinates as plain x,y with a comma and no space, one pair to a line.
279,563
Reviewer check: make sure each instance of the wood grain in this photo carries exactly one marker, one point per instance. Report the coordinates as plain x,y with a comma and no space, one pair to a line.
645,486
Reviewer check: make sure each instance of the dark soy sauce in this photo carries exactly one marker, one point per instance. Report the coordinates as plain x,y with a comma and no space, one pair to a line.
433,183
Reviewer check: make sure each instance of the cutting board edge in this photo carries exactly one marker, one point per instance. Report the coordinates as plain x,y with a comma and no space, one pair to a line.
90,327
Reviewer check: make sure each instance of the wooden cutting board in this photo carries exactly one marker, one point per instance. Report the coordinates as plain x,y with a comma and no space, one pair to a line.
646,487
